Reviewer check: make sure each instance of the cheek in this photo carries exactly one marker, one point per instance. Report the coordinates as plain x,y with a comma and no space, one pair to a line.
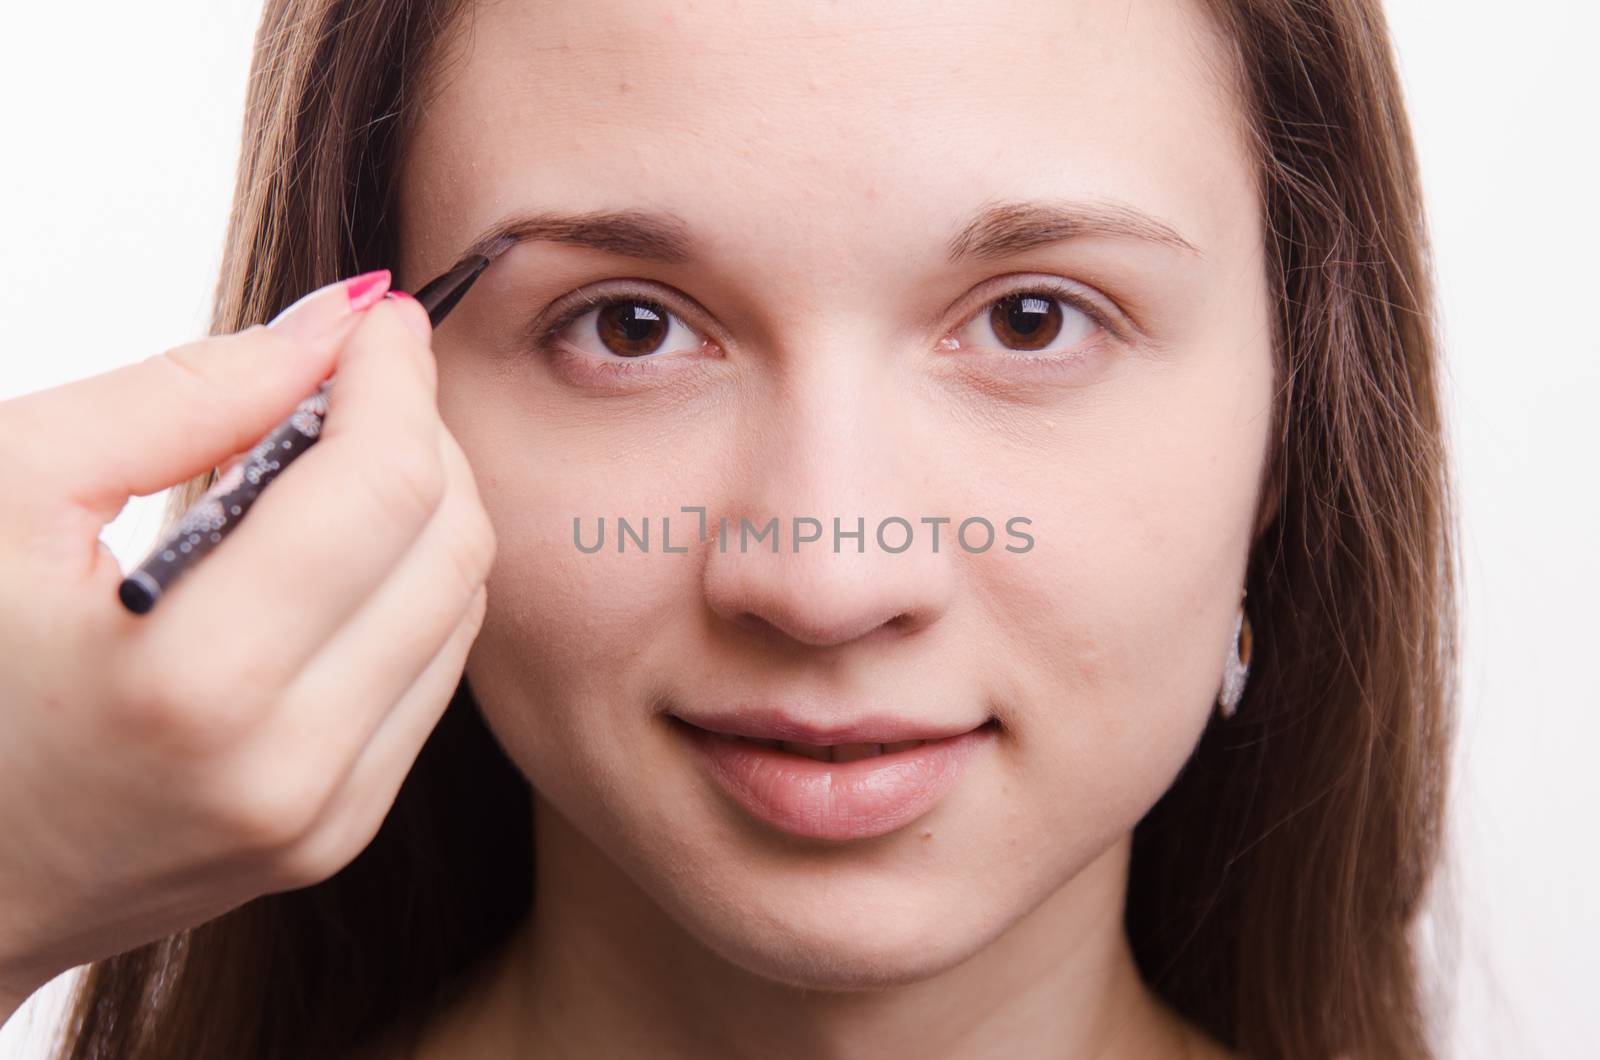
1120,616
571,638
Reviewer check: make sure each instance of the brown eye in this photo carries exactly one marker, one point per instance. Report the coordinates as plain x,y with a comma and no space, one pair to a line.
631,328
1026,321
619,328
1036,321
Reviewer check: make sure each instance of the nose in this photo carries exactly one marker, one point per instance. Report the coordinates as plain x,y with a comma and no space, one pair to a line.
845,470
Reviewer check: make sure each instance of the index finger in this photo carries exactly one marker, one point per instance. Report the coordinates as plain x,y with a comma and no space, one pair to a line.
91,444
328,530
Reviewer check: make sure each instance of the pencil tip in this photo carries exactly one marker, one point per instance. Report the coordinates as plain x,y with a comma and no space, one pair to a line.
440,295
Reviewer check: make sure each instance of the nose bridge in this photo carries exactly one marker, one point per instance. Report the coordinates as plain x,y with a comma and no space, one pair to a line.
835,458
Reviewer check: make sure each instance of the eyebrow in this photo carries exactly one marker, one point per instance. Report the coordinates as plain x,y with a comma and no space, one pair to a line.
995,230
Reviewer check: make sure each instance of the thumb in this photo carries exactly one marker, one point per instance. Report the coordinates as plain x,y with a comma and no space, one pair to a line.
146,426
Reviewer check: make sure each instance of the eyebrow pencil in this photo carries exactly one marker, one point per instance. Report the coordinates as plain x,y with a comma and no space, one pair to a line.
214,515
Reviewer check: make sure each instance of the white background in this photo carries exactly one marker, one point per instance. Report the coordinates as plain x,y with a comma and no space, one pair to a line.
121,127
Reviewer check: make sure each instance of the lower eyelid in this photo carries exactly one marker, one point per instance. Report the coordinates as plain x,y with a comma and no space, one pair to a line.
581,368
1025,377
611,365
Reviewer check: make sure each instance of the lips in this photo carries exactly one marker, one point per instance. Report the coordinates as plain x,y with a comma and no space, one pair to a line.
798,727
843,752
867,790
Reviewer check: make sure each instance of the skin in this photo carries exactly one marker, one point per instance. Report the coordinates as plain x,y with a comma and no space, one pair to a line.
823,155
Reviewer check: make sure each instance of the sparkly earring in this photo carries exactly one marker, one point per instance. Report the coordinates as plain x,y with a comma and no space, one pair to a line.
1237,666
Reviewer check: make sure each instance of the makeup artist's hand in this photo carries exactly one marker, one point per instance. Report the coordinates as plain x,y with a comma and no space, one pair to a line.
250,734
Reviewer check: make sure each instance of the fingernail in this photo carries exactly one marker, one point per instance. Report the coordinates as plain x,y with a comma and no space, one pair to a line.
327,309
366,289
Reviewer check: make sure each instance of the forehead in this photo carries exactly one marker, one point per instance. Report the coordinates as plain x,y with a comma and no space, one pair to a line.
820,124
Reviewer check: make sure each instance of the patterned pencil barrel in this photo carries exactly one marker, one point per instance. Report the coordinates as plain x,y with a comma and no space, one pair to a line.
220,509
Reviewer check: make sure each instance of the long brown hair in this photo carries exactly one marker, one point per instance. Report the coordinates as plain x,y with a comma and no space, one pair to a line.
1274,889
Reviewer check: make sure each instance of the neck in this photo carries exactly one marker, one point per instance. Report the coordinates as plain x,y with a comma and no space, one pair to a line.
599,969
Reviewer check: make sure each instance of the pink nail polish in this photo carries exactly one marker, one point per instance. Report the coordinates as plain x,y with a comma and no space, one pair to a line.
366,289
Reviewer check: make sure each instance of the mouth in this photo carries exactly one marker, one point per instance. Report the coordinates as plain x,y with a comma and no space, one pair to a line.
793,728
835,791
821,752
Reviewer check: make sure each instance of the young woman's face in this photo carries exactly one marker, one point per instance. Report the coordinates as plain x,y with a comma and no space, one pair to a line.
860,189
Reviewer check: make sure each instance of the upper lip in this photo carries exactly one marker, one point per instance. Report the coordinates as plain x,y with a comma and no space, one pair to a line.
778,723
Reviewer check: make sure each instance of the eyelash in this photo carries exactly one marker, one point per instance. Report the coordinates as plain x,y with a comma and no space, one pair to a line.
545,340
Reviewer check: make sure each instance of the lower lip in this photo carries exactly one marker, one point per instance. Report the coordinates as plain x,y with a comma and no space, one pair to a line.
835,800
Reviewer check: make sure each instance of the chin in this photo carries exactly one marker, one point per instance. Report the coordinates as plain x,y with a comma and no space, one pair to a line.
838,943
828,962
